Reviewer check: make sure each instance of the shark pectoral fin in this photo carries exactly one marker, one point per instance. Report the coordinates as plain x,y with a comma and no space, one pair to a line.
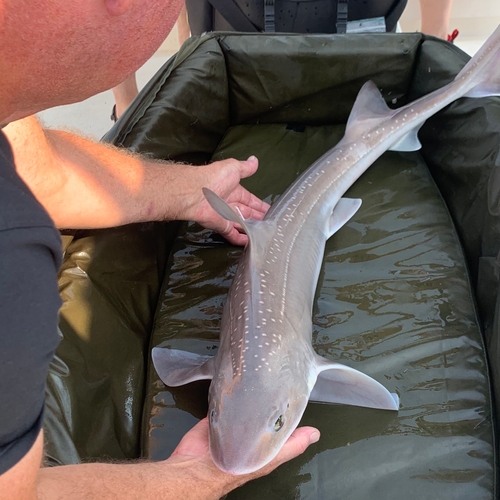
409,142
337,383
369,106
343,211
180,367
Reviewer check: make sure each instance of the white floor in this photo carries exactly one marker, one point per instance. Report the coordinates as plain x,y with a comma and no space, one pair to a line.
92,116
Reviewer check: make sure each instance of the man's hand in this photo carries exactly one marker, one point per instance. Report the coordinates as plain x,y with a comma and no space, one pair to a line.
193,452
223,178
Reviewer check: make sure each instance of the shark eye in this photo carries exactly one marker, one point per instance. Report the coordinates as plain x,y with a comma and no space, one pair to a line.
212,416
279,423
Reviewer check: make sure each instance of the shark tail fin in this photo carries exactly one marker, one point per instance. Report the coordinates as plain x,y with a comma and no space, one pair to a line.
180,367
227,212
488,78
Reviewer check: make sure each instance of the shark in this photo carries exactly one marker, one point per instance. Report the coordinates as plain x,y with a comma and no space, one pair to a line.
265,370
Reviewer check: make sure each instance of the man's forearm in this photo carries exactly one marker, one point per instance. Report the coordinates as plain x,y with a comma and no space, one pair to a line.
83,184
151,481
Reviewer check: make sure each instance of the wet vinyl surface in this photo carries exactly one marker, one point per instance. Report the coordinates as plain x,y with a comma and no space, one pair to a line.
393,301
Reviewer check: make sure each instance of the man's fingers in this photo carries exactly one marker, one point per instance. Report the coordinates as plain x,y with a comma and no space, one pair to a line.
248,167
296,444
195,442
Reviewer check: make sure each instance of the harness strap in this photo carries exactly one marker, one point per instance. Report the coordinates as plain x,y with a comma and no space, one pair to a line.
269,16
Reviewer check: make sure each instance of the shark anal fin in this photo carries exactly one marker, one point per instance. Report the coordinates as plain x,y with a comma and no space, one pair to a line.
180,367
342,213
409,142
340,384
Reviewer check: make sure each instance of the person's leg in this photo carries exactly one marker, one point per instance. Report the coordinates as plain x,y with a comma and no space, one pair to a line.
126,91
124,94
183,26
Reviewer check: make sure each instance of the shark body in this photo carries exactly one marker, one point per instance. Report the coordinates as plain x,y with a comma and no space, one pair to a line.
266,370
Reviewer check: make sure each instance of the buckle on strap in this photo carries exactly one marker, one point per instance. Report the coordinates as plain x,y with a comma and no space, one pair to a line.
269,21
342,11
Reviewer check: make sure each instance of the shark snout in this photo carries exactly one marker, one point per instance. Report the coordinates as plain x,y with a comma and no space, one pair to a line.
242,454
242,447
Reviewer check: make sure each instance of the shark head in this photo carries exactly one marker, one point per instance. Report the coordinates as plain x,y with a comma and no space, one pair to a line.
249,424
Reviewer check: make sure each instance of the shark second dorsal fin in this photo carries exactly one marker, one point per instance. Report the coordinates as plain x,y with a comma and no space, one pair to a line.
180,367
338,383
368,108
369,111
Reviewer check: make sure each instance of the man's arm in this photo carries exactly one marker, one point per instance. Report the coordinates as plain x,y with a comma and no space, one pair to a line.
189,474
83,184
436,17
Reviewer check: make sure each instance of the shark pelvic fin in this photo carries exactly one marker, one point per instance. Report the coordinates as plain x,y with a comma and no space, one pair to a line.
409,142
368,108
342,213
227,212
180,367
486,89
337,383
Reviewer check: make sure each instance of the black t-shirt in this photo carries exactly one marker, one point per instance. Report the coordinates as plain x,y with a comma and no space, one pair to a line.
30,255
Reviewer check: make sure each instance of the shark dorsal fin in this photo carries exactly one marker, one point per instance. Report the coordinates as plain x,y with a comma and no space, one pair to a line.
227,212
368,107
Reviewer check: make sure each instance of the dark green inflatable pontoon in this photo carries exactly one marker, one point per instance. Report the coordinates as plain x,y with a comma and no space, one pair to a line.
408,292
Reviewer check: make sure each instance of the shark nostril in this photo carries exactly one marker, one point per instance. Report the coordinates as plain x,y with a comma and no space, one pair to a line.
279,423
212,416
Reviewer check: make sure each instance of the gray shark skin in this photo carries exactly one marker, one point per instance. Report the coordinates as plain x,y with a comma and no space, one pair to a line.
266,370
